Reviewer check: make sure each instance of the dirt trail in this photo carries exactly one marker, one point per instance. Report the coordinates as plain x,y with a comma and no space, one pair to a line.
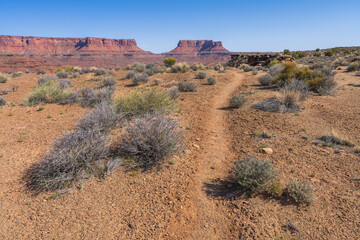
214,163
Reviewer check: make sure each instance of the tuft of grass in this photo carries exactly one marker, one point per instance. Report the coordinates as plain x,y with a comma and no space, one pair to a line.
335,138
253,174
275,189
299,192
146,101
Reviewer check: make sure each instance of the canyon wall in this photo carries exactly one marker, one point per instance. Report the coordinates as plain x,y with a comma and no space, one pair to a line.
100,52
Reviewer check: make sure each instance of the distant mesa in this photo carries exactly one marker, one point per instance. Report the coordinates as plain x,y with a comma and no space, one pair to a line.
199,46
100,52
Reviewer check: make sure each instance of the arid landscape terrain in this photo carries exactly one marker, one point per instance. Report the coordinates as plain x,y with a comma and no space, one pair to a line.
264,149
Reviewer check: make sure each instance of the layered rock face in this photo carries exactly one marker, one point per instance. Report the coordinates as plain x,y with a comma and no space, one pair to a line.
198,47
100,52
53,46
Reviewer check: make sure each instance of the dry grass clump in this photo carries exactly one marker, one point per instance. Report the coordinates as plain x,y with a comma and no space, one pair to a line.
89,97
335,138
187,86
149,140
77,155
180,68
299,192
253,174
146,101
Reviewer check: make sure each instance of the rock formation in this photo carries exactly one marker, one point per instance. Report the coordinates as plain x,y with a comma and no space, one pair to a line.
199,47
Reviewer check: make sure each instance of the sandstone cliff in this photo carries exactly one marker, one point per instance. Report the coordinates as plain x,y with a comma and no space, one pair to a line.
199,47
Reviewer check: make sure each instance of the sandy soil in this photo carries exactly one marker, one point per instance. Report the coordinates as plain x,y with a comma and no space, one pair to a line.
191,198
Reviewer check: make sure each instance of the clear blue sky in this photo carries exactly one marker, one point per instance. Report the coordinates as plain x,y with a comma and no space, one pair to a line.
157,26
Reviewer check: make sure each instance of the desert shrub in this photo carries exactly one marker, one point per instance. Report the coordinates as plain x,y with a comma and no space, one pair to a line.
130,74
269,105
335,138
16,74
144,102
27,71
187,86
89,97
158,81
211,80
64,83
255,71
194,67
58,70
45,79
299,192
248,68
329,53
180,67
69,68
286,74
77,155
201,75
297,86
169,61
2,101
140,78
253,174
276,69
100,71
41,71
299,54
86,70
62,74
200,67
149,140
354,67
275,189
272,63
237,101
218,67
5,91
149,72
109,81
266,80
317,54
287,51
75,75
47,92
139,67
3,78
174,93
72,98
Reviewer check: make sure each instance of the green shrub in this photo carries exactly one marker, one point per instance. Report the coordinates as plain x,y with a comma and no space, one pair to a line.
299,54
143,102
3,78
169,61
299,192
48,92
272,63
237,101
354,67
317,54
253,174
287,51
329,53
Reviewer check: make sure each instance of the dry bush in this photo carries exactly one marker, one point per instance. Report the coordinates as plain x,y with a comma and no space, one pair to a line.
299,192
62,74
266,80
130,74
140,78
201,75
5,91
77,155
237,101
16,74
174,93
187,86
211,80
64,83
149,140
253,174
41,71
2,101
89,97
3,78
144,102
109,81
335,138
100,71
354,67
157,81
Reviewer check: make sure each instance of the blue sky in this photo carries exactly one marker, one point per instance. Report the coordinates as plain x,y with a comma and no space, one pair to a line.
157,26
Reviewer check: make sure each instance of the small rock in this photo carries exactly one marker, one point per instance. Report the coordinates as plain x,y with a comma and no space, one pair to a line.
197,146
267,150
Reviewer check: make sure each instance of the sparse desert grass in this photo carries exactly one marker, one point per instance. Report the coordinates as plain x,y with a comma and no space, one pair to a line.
187,86
149,140
77,155
287,102
237,101
180,68
174,93
299,192
144,102
253,174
